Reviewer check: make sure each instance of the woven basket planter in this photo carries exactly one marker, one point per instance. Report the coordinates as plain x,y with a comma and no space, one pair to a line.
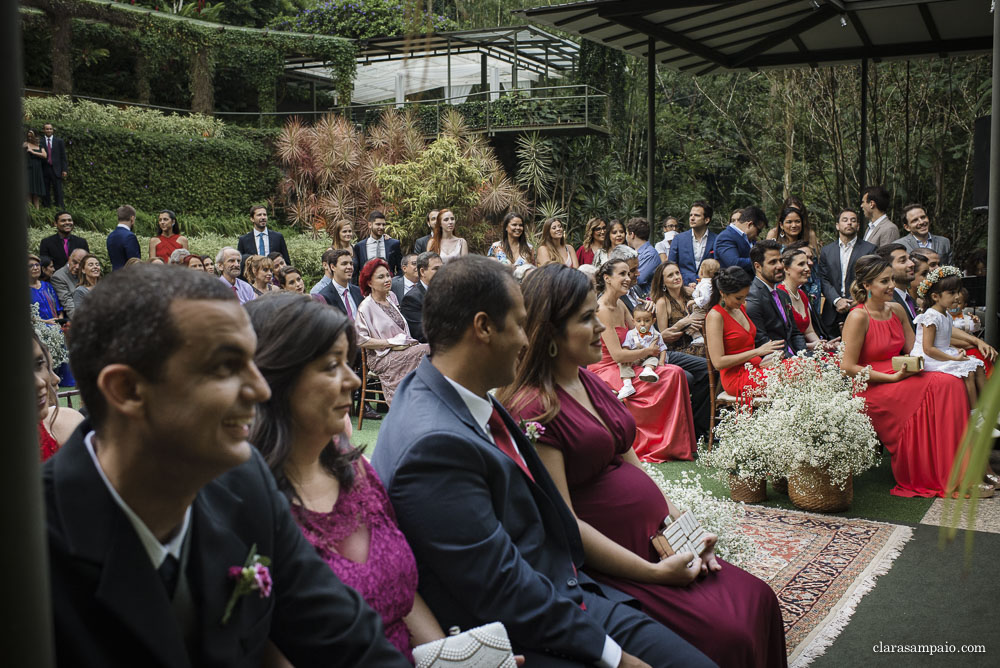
747,491
810,489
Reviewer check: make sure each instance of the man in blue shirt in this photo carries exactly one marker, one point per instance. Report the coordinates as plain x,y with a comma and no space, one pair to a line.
637,236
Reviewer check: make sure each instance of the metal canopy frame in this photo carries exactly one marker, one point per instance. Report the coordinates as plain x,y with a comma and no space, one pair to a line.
703,36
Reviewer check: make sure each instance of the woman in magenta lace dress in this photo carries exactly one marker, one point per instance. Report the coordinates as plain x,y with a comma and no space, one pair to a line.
727,613
304,350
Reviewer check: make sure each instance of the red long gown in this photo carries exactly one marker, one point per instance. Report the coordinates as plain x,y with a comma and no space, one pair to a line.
920,420
662,410
731,616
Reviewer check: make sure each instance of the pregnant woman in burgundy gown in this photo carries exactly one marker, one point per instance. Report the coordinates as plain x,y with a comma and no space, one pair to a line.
730,615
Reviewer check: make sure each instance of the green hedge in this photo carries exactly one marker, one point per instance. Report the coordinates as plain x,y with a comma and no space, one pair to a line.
304,251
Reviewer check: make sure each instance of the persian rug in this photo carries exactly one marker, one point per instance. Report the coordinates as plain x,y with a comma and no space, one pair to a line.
820,567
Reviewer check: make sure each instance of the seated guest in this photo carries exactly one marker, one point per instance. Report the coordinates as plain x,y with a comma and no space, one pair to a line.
443,240
341,293
616,233
290,279
918,224
669,232
412,304
65,279
382,329
730,615
277,262
902,275
691,247
731,336
792,227
662,410
513,247
510,548
193,262
594,248
42,293
670,298
554,247
177,257
836,270
327,263
55,424
732,245
700,296
975,263
629,256
45,262
420,245
258,272
919,416
797,272
228,260
813,287
158,495
90,274
921,267
304,352
408,279
168,237
209,264
640,337
61,245
377,244
770,308
637,237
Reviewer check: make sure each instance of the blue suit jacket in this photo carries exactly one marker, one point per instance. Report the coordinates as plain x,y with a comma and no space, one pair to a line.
122,244
732,248
682,253
490,543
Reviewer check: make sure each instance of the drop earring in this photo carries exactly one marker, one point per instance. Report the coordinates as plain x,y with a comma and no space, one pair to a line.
553,349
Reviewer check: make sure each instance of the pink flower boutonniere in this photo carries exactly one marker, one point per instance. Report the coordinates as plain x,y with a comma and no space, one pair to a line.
253,575
532,431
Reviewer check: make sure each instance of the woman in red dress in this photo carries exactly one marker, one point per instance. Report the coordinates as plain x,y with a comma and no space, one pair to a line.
662,410
169,239
730,334
919,416
730,615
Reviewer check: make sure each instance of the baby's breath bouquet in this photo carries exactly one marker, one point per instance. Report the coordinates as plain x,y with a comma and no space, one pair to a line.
52,337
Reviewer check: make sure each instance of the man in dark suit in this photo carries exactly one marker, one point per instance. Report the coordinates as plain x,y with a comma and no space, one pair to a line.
55,166
836,270
408,280
340,292
155,498
122,243
770,309
260,240
377,244
902,275
63,242
420,245
689,248
493,538
732,245
412,305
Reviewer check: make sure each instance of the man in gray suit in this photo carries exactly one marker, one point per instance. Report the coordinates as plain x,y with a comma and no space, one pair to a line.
64,281
919,227
408,279
881,231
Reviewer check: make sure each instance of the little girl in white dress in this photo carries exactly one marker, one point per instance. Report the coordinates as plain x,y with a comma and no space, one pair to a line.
939,290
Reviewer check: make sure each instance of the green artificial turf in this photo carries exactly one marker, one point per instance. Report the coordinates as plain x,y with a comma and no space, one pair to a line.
871,493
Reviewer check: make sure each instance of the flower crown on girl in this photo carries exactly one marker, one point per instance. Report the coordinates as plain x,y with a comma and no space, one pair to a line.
935,275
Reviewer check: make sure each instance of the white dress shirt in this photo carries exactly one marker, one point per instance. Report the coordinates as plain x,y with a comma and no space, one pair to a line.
376,248
873,225
845,261
408,285
699,246
345,294
256,241
481,409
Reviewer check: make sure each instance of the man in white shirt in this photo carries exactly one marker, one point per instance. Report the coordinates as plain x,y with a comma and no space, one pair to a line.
918,225
836,270
260,240
494,537
340,292
158,495
378,244
874,203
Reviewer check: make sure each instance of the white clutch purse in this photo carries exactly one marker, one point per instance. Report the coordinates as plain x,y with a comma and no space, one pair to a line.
483,647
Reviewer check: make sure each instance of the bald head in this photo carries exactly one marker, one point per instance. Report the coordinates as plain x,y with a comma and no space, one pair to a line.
74,260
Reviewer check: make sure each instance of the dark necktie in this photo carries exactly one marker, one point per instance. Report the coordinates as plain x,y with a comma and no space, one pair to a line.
169,571
784,316
49,150
504,442
260,242
347,305
911,306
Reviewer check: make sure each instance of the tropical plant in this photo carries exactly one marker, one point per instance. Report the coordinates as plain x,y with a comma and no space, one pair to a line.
534,170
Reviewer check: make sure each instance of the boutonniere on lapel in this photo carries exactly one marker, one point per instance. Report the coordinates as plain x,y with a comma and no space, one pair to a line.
253,575
532,430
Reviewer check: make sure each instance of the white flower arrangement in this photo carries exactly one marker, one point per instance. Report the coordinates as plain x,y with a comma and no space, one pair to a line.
716,514
52,337
809,414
